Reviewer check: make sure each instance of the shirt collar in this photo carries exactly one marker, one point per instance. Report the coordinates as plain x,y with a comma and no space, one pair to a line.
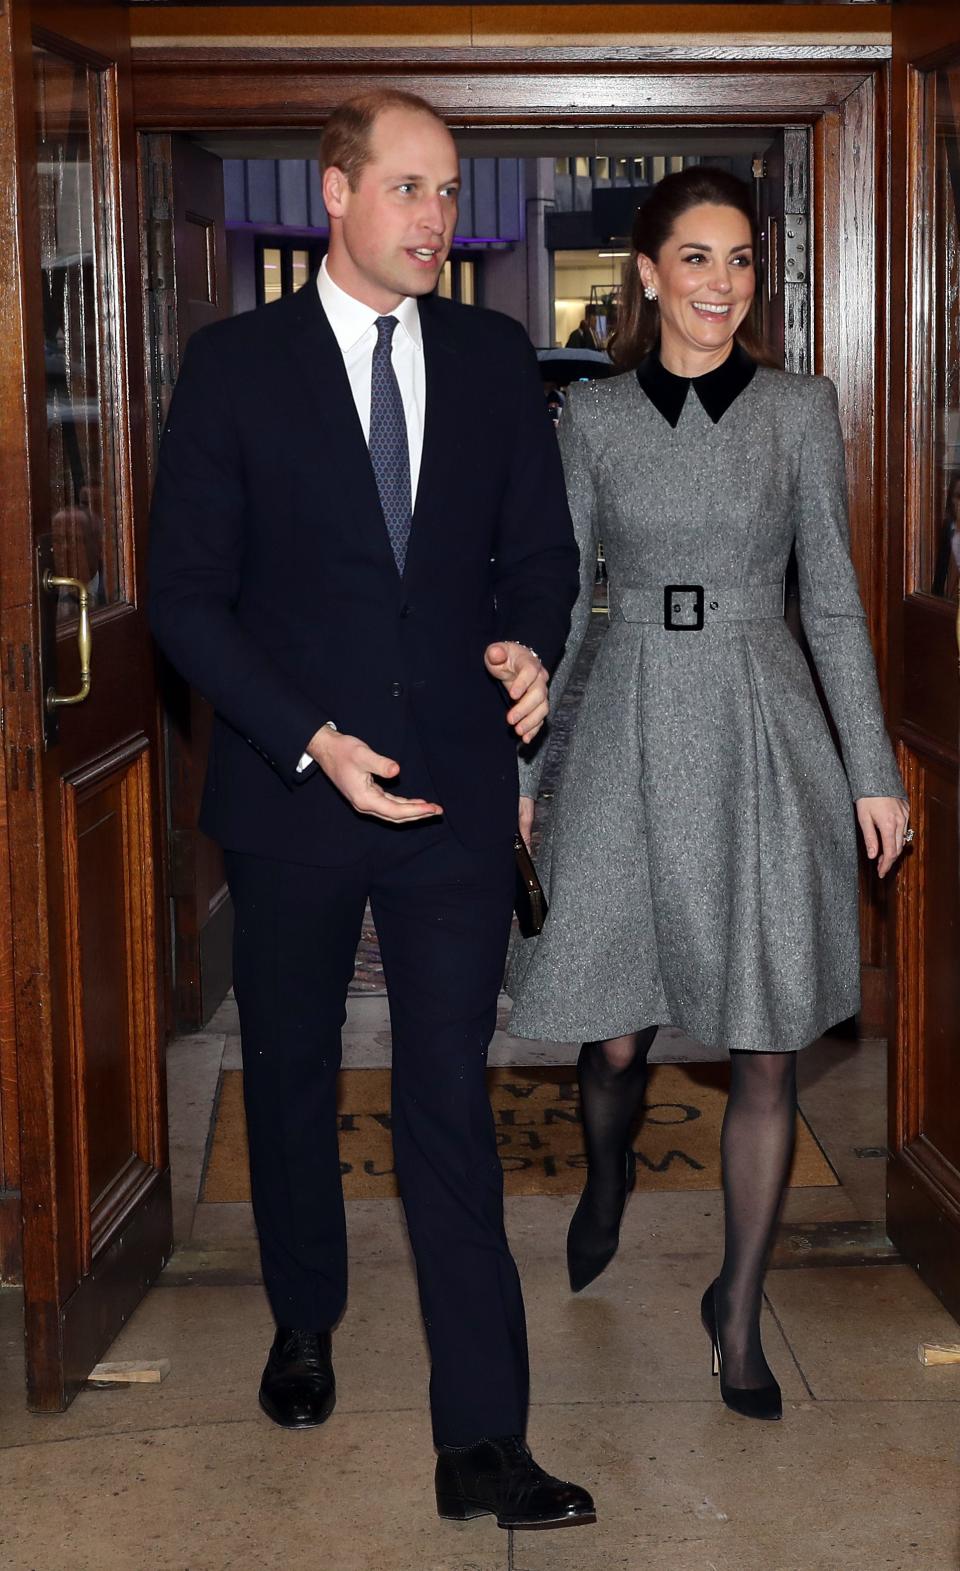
716,390
350,318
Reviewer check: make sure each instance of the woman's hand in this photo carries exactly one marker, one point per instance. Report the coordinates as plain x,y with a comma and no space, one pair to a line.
526,819
883,822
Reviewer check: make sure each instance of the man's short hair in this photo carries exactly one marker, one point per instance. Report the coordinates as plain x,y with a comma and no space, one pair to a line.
345,143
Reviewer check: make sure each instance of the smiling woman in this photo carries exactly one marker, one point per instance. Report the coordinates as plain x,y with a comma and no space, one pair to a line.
701,857
691,275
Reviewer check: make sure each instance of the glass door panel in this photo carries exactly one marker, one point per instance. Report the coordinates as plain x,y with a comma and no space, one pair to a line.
79,303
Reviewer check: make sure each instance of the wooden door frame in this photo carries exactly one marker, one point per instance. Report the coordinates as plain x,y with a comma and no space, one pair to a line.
840,90
923,1197
65,1324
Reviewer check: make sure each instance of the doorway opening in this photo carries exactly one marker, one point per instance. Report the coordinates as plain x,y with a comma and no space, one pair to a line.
543,232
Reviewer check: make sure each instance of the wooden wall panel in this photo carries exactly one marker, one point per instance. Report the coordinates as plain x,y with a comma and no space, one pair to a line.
748,27
923,1175
109,902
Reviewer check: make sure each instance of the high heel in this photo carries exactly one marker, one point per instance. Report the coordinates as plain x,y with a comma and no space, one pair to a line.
757,1402
590,1248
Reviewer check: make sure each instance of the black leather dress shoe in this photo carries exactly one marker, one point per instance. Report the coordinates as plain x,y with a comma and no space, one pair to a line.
500,1478
297,1389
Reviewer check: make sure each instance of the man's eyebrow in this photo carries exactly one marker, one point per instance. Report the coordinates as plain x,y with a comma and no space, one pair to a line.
416,179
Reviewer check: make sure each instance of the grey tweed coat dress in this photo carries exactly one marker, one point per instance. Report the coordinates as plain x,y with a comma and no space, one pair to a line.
701,859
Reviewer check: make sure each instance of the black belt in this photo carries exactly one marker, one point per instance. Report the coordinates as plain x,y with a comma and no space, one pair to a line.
688,608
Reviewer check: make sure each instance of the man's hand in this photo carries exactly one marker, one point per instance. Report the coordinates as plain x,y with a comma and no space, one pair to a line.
526,819
526,680
352,765
883,823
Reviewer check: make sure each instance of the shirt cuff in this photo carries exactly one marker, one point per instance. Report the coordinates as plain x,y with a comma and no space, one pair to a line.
306,762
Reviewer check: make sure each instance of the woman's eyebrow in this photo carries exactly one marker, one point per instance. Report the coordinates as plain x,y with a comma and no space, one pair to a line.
701,245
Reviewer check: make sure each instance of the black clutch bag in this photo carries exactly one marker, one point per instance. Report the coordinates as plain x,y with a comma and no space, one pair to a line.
529,902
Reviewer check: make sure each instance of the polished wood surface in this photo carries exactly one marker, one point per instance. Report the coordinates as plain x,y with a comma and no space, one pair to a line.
923,1210
519,27
19,756
10,1248
83,799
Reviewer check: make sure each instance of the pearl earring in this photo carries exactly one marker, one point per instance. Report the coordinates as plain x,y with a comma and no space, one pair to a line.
649,292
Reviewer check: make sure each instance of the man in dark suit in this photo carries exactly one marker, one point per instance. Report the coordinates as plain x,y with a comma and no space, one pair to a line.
357,579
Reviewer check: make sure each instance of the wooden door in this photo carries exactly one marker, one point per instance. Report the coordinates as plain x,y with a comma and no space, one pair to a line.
79,695
923,1216
187,280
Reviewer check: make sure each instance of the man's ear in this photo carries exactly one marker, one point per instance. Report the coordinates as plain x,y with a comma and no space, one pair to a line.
335,186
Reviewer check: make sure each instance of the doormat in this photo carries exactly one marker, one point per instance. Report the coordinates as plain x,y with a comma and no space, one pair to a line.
536,1111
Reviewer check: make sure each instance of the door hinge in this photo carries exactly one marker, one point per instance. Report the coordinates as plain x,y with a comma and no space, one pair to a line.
796,261
759,169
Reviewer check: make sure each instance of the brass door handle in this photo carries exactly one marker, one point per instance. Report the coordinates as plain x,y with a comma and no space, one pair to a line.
55,700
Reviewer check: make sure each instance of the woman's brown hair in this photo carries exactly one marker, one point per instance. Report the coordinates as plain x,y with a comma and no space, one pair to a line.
638,319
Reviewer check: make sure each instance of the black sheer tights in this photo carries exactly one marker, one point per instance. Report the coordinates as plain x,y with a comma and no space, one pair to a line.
756,1147
612,1077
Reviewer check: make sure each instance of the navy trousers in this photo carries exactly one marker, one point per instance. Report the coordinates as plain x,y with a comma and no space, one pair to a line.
442,914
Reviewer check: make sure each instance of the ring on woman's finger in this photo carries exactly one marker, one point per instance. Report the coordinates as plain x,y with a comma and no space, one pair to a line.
908,837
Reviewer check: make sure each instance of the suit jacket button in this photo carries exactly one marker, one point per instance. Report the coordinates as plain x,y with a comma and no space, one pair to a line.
397,689
406,610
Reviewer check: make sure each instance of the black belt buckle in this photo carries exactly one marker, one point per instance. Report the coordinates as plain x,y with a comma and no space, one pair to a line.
669,608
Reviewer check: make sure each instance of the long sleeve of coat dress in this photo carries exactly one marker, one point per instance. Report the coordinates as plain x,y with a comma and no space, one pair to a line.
582,497
830,606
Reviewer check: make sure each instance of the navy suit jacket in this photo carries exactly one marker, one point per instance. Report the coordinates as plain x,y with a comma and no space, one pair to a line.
274,591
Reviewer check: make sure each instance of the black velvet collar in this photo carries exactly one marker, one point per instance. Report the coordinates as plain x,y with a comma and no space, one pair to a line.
716,390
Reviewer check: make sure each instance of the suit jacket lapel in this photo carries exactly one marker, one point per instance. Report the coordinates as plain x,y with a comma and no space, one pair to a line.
442,433
338,449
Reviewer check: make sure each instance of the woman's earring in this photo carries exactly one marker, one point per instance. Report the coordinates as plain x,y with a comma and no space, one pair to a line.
649,292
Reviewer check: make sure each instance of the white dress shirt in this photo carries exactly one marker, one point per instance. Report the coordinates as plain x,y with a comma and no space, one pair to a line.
353,328
352,324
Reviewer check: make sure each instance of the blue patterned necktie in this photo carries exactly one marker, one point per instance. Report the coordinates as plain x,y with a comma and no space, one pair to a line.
389,452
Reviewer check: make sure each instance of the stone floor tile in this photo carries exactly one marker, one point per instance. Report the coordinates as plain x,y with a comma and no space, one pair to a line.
836,1487
232,1054
692,1487
854,1332
356,1495
226,1018
843,1093
656,1224
659,1225
193,1072
224,1222
634,1335
375,1228
507,1049
216,1339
